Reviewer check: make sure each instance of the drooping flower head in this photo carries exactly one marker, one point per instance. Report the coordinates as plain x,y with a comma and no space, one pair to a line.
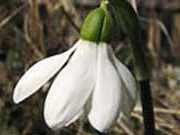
89,70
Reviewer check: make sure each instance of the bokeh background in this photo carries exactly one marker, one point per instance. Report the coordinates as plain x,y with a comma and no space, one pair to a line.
33,29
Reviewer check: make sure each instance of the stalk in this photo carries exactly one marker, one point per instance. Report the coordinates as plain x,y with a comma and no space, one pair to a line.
147,107
127,20
143,75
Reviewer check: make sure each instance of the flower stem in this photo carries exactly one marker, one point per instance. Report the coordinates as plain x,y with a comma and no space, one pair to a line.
127,20
142,66
147,105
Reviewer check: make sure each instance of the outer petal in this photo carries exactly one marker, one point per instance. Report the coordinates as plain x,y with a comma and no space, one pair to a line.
39,74
72,87
133,4
107,94
130,89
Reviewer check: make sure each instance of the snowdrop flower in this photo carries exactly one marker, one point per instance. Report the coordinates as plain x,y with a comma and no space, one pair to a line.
88,69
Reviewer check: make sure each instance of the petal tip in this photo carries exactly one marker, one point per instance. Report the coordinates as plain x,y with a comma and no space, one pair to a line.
51,120
20,93
16,100
97,126
17,97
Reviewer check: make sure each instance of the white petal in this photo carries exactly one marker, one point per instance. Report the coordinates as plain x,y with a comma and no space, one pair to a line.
39,74
75,118
107,94
133,4
72,87
129,89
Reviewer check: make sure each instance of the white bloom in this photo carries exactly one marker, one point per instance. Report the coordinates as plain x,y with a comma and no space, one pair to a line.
84,70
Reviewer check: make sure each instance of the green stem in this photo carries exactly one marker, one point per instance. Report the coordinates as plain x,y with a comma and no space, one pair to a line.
147,105
143,74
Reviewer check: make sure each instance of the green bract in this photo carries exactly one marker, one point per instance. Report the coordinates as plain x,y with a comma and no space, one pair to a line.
97,25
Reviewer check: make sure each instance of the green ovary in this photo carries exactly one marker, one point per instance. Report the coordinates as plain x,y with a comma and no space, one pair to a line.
97,26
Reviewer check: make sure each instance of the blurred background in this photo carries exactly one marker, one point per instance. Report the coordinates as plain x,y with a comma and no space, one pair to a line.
33,29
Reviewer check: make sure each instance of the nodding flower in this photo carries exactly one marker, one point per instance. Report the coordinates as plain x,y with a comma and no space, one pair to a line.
89,70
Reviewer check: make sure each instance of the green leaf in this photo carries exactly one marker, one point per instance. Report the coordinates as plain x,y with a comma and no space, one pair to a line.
125,17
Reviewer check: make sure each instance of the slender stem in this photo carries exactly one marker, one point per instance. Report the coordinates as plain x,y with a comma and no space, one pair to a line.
147,105
143,74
